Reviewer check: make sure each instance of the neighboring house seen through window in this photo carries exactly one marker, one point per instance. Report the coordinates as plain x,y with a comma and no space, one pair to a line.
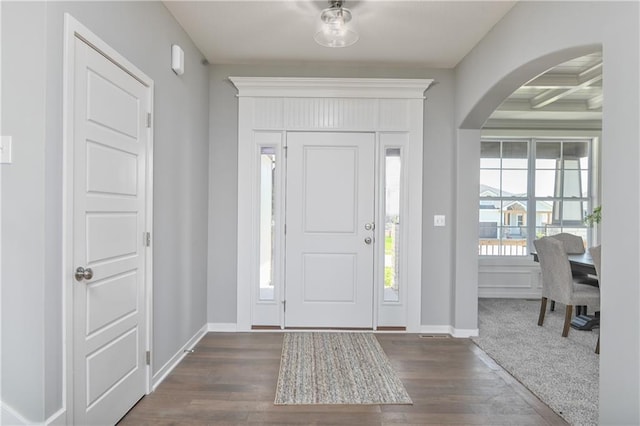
531,188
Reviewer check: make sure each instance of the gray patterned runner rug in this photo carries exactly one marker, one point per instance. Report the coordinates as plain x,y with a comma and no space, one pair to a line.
336,368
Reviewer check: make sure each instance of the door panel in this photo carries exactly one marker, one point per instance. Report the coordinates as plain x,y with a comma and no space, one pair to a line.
102,161
329,277
330,198
109,169
110,300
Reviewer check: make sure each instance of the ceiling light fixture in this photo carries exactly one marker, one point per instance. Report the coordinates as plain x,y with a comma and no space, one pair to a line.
334,31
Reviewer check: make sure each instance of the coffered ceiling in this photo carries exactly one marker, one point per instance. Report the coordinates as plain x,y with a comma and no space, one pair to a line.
568,96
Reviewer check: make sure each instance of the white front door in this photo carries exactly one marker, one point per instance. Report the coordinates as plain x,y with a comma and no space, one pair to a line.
329,240
109,168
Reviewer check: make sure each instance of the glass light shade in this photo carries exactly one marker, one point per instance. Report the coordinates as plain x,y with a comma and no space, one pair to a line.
334,31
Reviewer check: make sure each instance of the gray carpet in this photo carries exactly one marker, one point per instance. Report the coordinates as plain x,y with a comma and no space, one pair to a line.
336,368
562,372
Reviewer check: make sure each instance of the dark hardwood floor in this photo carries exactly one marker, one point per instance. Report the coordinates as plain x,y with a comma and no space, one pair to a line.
231,379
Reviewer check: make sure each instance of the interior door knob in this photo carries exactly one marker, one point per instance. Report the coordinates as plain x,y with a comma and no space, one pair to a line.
83,274
368,240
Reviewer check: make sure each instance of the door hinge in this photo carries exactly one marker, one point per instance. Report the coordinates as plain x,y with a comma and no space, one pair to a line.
148,120
285,229
286,149
147,239
148,357
284,305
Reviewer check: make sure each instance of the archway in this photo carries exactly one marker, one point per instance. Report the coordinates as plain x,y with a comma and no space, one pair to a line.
468,160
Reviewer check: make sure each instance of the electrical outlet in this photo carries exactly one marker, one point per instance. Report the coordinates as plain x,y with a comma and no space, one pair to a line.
439,220
5,150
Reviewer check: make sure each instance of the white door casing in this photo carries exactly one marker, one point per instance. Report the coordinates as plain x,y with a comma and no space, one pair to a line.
270,108
108,177
329,251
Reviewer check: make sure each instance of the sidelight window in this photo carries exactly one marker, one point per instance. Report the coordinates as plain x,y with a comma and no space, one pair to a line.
267,222
392,254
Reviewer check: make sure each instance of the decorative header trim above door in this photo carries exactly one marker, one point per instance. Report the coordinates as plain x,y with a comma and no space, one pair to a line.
381,88
271,107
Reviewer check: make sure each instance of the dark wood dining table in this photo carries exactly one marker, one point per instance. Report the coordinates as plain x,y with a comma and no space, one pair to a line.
581,264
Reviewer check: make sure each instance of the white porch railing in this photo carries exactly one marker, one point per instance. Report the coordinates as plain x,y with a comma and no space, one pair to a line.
495,247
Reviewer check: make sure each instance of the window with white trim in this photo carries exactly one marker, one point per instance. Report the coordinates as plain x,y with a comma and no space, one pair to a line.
531,188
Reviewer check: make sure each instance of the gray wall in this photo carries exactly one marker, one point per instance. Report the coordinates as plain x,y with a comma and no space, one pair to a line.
32,58
530,39
437,181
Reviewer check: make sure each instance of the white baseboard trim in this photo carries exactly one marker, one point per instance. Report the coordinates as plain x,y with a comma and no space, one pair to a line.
164,371
464,333
222,327
9,416
447,329
58,419
436,329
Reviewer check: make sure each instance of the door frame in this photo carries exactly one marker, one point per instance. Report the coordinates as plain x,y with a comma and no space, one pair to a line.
74,29
268,108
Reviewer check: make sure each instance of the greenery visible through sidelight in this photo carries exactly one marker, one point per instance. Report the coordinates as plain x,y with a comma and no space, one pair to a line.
392,227
388,270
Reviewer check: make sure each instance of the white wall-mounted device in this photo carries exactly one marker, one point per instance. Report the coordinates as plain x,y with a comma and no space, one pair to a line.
5,149
177,59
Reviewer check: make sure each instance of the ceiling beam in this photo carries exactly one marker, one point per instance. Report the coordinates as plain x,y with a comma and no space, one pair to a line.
585,79
523,105
591,74
595,102
543,124
553,81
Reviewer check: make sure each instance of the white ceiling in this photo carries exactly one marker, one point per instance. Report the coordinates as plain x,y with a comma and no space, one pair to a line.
418,33
436,34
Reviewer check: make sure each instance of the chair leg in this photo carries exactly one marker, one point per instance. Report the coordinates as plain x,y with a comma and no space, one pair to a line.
543,307
553,306
578,310
598,346
567,320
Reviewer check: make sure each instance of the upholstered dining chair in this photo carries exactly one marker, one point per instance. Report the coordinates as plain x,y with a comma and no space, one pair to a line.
573,244
558,284
596,252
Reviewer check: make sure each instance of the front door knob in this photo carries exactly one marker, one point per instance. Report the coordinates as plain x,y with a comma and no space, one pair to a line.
83,274
368,240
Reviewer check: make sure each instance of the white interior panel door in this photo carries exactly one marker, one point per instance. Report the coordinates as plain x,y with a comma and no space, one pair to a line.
109,169
329,239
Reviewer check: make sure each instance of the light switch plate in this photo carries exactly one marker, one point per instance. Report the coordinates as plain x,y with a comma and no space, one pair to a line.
439,220
5,150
